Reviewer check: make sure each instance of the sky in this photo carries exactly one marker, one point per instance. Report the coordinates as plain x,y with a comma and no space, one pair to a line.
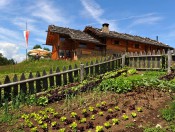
146,18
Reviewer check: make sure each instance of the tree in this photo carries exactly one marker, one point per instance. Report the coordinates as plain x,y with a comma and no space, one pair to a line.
37,46
5,61
46,49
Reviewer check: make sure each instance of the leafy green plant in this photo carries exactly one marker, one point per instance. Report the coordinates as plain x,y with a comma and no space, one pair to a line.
110,110
132,71
43,101
107,125
103,103
25,116
99,129
73,125
83,120
40,122
28,123
92,117
139,109
115,121
91,109
55,114
133,114
63,118
168,113
100,113
73,114
34,129
44,126
125,117
62,130
98,105
154,129
117,108
53,124
84,111
31,100
50,110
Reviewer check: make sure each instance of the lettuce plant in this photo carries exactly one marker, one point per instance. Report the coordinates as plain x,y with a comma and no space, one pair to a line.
98,105
133,114
40,122
63,118
91,109
25,116
139,109
44,126
84,111
103,103
115,121
62,130
28,123
100,113
125,117
107,125
83,120
73,126
117,108
34,129
73,114
99,129
43,101
92,117
53,124
110,110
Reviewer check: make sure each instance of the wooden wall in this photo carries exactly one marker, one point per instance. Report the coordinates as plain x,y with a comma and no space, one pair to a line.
129,46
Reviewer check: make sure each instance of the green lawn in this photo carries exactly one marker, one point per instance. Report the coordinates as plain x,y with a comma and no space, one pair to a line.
34,66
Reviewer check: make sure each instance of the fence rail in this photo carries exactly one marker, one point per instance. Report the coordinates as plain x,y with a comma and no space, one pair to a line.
38,83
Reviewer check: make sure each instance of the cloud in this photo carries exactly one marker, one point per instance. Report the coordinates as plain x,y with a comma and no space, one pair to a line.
4,3
10,35
148,19
94,10
11,51
47,11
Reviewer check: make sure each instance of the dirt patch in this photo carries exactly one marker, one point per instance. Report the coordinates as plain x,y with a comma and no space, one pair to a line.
150,101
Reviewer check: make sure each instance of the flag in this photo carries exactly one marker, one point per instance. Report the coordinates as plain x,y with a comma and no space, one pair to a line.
26,36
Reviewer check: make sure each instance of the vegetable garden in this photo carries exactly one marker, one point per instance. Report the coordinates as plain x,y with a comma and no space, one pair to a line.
120,100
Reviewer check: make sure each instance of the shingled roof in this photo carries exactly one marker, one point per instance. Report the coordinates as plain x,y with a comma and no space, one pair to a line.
74,34
113,34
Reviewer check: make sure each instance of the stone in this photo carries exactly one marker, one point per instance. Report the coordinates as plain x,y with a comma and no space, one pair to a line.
158,126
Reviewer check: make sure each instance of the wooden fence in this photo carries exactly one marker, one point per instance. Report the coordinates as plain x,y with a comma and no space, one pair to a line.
35,84
38,83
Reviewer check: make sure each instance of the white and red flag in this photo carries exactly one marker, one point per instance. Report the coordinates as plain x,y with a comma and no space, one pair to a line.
26,36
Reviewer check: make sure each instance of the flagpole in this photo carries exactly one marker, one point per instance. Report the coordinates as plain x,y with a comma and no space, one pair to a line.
26,44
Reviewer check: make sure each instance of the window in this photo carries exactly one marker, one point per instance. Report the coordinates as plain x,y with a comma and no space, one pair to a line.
137,46
116,42
83,45
97,47
62,39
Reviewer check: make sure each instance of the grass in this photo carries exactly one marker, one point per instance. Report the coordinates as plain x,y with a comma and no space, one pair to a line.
33,66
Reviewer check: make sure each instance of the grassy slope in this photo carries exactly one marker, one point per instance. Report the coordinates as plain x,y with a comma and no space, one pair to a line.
34,66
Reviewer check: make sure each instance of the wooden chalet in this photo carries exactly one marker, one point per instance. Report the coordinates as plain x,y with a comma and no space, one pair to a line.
71,43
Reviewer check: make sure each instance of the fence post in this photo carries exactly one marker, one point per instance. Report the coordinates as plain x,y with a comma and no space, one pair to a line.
169,61
81,72
123,60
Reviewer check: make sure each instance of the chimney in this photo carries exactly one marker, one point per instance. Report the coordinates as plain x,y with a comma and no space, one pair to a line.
105,28
157,38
